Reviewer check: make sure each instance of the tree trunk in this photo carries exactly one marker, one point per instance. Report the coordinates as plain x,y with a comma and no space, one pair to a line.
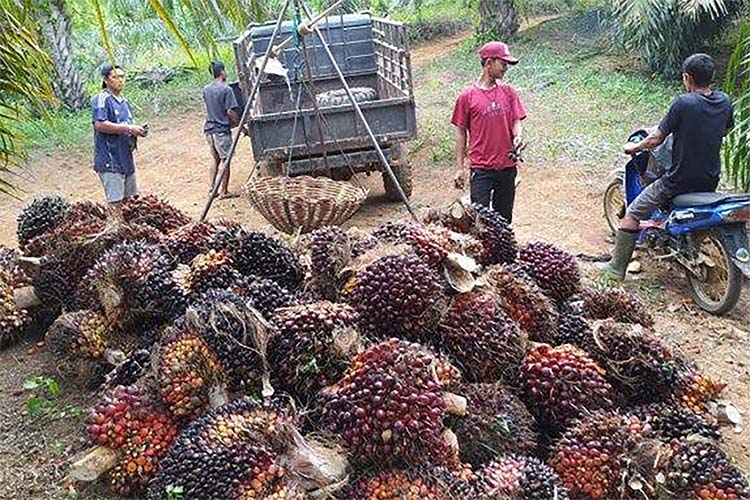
498,20
57,36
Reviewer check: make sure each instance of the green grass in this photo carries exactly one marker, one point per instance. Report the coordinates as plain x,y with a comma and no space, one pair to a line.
580,108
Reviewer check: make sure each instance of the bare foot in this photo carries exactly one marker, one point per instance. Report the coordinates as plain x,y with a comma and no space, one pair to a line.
227,195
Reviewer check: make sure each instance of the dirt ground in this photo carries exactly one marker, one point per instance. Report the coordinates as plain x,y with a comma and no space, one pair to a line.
560,205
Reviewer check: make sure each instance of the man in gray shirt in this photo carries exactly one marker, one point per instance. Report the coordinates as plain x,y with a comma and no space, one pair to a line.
221,116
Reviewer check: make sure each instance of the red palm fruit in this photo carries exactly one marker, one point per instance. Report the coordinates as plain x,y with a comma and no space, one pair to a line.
561,383
591,455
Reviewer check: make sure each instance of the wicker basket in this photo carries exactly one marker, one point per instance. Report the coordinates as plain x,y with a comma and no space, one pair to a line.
303,203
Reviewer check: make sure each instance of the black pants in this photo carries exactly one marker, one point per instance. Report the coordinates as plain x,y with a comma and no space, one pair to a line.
498,186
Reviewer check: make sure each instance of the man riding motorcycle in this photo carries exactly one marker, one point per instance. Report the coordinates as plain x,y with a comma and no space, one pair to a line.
698,121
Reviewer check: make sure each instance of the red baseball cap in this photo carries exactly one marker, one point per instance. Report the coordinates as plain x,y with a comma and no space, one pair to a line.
497,50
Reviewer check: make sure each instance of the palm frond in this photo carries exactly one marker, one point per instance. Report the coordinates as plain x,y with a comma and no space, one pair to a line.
103,30
166,18
664,32
736,151
24,83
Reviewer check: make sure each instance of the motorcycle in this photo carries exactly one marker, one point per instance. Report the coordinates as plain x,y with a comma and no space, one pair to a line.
703,233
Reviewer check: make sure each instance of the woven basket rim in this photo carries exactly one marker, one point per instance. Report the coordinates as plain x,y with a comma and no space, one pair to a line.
303,202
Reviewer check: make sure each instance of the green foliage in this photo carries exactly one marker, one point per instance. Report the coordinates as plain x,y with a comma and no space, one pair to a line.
44,391
175,492
25,88
103,30
737,84
43,400
665,32
170,24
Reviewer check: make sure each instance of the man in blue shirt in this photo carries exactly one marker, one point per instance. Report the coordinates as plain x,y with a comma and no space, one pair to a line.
114,137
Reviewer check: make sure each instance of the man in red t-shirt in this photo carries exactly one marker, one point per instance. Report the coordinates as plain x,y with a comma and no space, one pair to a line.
489,112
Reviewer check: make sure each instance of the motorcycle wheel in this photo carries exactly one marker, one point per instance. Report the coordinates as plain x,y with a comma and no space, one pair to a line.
614,205
717,287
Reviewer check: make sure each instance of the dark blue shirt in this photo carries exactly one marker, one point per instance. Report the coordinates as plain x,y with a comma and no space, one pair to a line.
698,123
112,152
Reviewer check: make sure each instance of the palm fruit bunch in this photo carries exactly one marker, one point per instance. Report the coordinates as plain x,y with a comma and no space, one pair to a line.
572,326
62,280
518,476
591,456
481,339
231,329
186,242
42,215
524,301
127,420
329,251
496,237
152,211
312,346
210,270
615,303
397,295
231,453
188,372
693,389
420,483
638,365
433,242
257,254
13,320
264,295
361,242
496,423
561,383
135,366
670,421
82,220
82,210
392,232
11,270
389,405
699,469
134,285
493,231
78,335
554,270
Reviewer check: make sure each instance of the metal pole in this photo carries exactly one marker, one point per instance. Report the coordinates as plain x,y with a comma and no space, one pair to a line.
248,104
360,115
311,91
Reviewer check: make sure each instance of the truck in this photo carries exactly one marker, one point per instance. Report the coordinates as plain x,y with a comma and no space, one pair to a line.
304,124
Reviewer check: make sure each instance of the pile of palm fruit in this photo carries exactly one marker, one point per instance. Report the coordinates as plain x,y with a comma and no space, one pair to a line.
429,360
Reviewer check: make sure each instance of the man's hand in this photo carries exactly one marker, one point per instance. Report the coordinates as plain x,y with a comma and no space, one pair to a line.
632,148
137,130
517,141
459,180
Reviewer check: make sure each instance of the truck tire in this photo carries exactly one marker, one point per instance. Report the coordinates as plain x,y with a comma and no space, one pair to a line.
403,172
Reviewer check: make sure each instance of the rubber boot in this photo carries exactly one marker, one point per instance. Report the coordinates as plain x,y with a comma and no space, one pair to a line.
624,246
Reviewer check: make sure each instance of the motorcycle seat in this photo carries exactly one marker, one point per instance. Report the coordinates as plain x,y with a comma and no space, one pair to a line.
704,199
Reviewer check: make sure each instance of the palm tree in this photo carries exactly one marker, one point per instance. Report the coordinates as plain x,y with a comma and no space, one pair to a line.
55,29
498,20
737,84
24,83
664,32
